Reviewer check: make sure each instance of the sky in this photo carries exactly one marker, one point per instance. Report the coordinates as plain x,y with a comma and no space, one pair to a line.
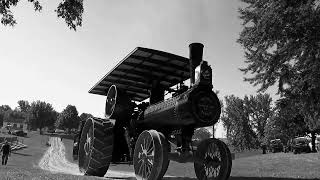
42,59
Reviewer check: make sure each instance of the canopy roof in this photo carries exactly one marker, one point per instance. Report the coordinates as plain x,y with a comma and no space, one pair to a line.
134,74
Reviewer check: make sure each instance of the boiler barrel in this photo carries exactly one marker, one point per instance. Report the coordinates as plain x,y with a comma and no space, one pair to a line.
197,107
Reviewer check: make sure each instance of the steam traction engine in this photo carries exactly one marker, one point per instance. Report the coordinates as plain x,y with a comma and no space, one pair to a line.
144,126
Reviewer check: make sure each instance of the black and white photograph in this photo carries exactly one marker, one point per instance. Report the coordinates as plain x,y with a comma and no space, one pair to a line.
152,90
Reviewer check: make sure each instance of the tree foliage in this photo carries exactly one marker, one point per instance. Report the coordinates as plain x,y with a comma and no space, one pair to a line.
41,114
287,122
5,108
235,119
23,106
13,114
70,10
52,120
85,116
281,40
259,110
201,134
68,118
246,119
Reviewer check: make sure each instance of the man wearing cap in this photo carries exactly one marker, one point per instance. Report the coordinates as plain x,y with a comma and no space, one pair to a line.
6,151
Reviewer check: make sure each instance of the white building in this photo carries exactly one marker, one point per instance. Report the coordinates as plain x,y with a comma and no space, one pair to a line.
15,124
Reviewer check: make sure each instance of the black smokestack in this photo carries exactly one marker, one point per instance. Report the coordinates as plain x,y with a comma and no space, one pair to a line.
195,58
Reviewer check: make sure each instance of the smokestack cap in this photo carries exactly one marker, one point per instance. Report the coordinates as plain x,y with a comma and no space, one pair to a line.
196,45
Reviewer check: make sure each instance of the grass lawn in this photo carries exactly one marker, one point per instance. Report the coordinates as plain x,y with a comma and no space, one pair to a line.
23,164
246,166
278,165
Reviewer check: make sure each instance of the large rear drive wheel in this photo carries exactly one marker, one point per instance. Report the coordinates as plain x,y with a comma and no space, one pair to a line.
216,160
149,156
95,147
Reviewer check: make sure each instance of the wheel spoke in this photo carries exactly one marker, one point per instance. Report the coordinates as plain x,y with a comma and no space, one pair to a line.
150,151
150,146
144,144
151,156
207,172
147,144
142,173
211,150
140,168
149,168
150,161
218,170
145,170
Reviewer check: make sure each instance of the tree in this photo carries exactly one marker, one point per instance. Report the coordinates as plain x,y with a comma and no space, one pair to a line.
260,111
68,118
41,114
24,106
245,120
52,120
3,110
1,118
282,41
70,10
85,116
201,134
14,115
287,122
235,119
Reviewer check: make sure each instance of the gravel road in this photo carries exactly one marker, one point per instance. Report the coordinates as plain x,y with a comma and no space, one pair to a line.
54,160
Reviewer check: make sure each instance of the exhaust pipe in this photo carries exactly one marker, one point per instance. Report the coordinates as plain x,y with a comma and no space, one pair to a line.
195,58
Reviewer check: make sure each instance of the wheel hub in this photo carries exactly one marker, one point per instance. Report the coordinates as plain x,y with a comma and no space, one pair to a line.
145,158
143,155
216,160
87,145
212,163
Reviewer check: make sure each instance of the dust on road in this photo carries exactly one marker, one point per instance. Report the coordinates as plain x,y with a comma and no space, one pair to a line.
54,160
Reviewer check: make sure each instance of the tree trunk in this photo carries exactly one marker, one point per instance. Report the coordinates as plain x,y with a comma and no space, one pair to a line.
313,141
41,127
264,148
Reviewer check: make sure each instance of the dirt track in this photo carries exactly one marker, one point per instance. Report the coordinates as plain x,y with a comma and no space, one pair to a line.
54,160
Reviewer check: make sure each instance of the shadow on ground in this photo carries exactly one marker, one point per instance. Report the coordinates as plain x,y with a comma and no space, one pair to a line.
22,154
179,178
231,178
123,178
165,178
239,178
266,178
